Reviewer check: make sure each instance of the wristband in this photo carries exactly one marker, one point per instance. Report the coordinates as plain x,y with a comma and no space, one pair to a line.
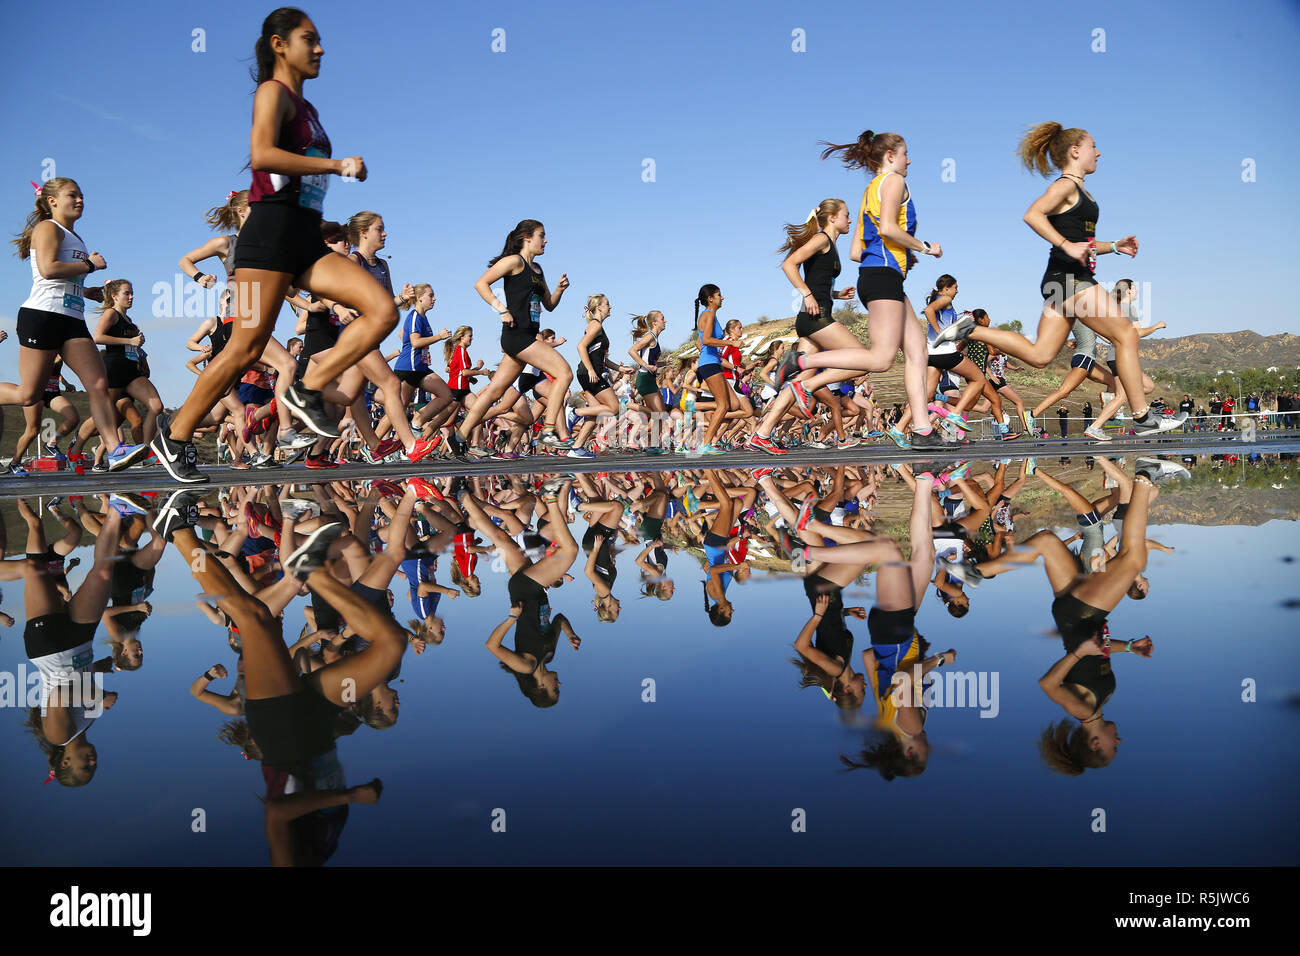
90,264
198,277
1128,646
207,675
927,246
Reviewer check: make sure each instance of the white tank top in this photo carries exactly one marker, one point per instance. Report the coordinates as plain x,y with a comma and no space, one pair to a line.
62,296
58,672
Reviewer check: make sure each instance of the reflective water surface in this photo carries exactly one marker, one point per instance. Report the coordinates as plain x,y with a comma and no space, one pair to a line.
1067,661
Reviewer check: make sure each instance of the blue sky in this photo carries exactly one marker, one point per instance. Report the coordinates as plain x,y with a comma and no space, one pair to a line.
462,142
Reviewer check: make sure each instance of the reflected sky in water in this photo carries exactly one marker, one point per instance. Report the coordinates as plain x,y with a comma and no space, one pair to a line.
716,767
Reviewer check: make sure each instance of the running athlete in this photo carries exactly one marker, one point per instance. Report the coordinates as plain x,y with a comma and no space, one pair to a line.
945,357
885,247
52,398
645,353
230,218
526,294
280,245
51,322
593,358
708,368
812,245
124,356
413,367
1066,216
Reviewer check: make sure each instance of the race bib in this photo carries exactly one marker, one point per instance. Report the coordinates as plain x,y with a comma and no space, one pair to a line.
133,353
74,302
535,309
140,595
422,357
544,616
311,189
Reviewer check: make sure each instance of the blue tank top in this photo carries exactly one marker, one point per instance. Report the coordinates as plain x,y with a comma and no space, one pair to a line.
709,354
946,318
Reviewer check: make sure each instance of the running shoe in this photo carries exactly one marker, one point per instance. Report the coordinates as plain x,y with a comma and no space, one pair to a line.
931,440
1031,466
16,470
898,437
264,462
711,449
308,406
179,458
761,473
849,442
251,424
423,448
180,510
551,439
426,490
128,505
967,574
124,456
959,419
1155,424
805,512
820,445
802,399
1161,471
1096,434
959,330
312,553
52,449
458,445
577,452
551,488
655,450
476,451
322,460
788,368
295,508
1029,423
386,448
759,442
960,470
290,439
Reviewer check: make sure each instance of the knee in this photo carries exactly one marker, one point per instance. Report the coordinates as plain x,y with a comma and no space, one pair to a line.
1126,336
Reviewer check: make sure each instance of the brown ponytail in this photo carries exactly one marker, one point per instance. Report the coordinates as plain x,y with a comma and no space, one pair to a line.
1047,146
869,151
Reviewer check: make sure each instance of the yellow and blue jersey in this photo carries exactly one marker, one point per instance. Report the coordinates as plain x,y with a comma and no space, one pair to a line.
877,251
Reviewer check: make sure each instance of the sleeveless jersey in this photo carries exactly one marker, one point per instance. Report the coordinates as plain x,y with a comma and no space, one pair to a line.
62,296
303,134
877,251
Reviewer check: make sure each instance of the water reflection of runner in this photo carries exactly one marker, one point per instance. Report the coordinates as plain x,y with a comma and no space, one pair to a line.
292,718
59,639
538,633
896,662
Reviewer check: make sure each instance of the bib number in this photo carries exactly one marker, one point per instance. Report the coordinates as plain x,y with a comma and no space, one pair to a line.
133,353
544,616
312,189
535,309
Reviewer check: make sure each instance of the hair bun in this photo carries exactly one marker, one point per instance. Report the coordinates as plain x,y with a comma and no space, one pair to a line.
868,136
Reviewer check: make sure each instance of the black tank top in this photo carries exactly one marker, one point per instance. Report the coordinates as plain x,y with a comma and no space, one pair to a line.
819,271
1076,224
379,270
524,293
122,328
596,352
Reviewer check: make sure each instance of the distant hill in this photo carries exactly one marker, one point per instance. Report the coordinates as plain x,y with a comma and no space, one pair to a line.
1221,350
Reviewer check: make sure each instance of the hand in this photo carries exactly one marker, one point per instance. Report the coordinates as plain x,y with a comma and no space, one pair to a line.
408,290
446,334
507,319
6,620
208,281
206,351
936,250
821,604
137,340
367,792
859,612
316,305
219,670
94,293
146,607
3,335
1143,647
98,260
848,293
810,305
562,284
418,645
353,166
1090,648
949,656
1076,250
110,698
1128,245
575,641
453,595
1160,325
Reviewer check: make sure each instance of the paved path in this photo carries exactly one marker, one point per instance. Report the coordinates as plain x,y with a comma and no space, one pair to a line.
155,478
